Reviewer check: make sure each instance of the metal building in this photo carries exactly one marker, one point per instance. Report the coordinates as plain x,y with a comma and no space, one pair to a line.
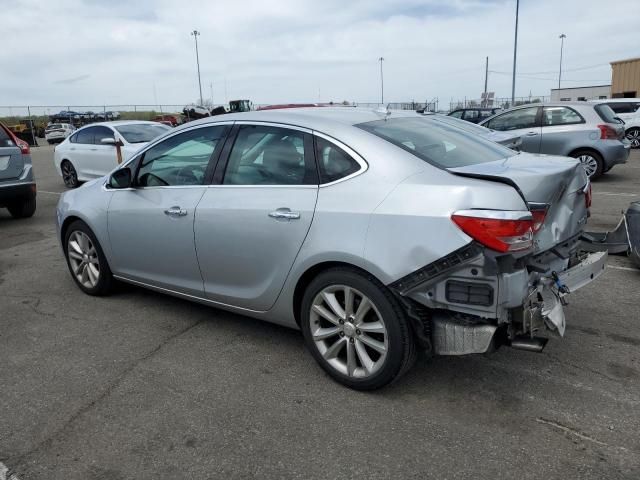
625,78
573,94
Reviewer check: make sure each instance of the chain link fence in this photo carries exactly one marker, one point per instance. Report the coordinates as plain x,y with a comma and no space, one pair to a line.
503,103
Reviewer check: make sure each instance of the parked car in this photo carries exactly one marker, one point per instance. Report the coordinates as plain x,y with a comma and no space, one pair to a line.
474,115
582,130
374,233
17,182
507,139
92,151
167,119
57,132
628,110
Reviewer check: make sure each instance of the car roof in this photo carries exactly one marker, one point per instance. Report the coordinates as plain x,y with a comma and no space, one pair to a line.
614,100
117,123
312,117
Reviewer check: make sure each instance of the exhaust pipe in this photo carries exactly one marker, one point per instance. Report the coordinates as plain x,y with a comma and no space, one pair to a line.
535,344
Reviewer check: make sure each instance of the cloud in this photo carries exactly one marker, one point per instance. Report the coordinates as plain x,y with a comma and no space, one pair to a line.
121,52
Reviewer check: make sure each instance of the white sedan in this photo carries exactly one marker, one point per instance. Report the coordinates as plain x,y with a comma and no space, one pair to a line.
93,151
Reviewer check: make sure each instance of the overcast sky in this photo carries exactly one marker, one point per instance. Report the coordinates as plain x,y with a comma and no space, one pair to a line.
91,52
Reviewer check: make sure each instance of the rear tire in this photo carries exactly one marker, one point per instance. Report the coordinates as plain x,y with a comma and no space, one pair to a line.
86,261
25,209
365,342
633,135
69,174
591,161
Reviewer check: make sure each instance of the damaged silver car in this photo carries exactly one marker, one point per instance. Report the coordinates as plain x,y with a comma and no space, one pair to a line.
375,233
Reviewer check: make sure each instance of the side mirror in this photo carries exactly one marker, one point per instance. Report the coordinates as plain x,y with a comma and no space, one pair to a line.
111,141
120,178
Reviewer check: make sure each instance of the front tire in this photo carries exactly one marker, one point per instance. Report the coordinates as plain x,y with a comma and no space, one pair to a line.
25,209
633,135
356,330
591,161
86,260
69,174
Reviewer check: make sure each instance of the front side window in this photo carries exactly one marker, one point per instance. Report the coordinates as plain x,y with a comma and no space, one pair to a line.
560,116
264,155
101,132
85,136
334,163
437,143
180,160
620,107
514,120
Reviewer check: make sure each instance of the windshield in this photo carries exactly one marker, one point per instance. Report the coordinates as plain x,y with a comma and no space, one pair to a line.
456,122
141,132
439,144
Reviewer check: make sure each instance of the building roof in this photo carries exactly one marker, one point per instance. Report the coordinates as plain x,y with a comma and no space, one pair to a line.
637,59
577,88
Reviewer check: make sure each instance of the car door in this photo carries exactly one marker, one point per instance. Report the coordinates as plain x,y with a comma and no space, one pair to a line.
251,224
558,124
524,122
151,224
100,158
79,152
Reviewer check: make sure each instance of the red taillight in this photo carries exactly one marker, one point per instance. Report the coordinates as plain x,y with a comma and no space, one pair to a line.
24,146
607,132
538,219
504,231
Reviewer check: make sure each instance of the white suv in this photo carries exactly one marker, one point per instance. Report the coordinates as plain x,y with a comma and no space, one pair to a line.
57,132
627,109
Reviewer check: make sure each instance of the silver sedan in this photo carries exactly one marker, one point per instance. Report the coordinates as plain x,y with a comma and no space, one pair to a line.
375,233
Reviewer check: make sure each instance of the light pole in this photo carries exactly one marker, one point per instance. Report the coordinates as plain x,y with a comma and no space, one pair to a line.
515,50
561,37
381,59
195,34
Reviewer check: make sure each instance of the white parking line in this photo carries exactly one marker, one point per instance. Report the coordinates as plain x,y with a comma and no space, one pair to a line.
5,473
616,194
50,193
628,269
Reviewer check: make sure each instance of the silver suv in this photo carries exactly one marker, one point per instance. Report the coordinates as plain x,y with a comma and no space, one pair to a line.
589,132
17,185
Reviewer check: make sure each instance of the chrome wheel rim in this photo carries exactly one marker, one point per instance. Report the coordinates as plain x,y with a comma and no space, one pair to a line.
634,137
83,259
589,163
348,331
69,175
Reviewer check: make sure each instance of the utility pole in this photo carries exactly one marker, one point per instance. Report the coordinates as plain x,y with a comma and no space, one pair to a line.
211,88
381,59
195,34
515,53
486,76
561,37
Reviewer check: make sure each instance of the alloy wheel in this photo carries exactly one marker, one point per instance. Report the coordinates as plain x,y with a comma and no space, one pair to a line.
348,331
69,175
634,137
83,258
589,163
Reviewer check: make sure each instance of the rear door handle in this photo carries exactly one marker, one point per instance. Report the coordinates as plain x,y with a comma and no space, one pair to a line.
532,134
175,212
285,213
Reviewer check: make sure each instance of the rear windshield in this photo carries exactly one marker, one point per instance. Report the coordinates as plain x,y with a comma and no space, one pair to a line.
54,125
5,139
606,114
141,132
439,144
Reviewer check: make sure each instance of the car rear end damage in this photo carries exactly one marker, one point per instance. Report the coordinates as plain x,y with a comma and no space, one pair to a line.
512,281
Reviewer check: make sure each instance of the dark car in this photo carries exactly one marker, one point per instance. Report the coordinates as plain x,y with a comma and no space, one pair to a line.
17,185
474,115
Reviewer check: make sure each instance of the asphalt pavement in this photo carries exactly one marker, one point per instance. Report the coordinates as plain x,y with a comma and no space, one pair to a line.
143,386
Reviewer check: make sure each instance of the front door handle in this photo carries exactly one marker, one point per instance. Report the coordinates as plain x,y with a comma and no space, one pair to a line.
175,212
285,213
532,134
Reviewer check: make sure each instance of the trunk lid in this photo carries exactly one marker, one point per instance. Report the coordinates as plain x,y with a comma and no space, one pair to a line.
558,182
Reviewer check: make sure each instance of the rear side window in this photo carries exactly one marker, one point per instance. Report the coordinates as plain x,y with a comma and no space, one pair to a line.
605,113
439,144
560,116
84,136
457,114
471,114
333,162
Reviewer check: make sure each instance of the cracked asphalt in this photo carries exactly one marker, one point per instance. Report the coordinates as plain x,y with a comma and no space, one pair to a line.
143,386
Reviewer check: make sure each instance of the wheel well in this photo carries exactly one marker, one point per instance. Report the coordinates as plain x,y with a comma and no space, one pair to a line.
586,149
631,128
309,275
67,221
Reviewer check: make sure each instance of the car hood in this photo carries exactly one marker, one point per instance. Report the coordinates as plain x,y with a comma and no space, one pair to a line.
558,184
